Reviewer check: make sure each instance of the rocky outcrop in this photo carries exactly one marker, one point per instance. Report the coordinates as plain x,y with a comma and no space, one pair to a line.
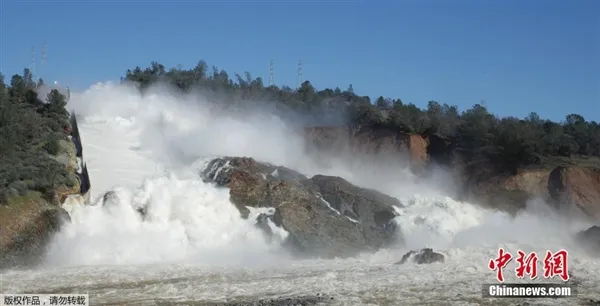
590,239
507,192
424,256
417,146
440,150
576,186
570,189
328,141
562,185
82,169
324,216
29,221
26,229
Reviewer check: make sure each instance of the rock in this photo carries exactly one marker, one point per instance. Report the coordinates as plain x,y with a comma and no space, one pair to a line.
577,186
72,201
557,182
248,180
67,156
327,139
110,198
325,216
374,209
590,238
325,143
417,146
425,256
24,243
570,189
262,222
506,192
440,150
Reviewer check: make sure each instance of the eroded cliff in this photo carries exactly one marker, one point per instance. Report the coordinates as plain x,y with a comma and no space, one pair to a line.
562,182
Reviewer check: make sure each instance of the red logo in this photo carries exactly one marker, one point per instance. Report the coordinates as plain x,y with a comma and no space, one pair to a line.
555,264
526,265
498,263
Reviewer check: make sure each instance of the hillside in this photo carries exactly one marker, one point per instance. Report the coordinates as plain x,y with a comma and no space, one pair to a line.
38,165
500,161
508,143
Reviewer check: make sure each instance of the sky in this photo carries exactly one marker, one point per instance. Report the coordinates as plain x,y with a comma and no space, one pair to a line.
515,57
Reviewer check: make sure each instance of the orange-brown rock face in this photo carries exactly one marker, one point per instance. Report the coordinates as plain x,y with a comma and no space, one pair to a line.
577,186
533,182
508,192
417,146
341,140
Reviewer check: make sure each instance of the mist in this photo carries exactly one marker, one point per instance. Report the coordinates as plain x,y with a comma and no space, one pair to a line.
44,89
193,221
191,241
180,128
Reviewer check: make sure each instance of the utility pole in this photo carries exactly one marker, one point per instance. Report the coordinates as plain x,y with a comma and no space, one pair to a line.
271,74
299,73
32,65
43,63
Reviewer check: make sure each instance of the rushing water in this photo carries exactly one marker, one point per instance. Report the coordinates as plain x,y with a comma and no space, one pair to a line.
193,247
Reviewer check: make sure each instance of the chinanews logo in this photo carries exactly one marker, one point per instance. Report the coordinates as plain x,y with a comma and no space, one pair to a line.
554,264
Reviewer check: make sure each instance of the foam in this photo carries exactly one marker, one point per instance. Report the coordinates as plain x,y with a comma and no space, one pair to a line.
193,243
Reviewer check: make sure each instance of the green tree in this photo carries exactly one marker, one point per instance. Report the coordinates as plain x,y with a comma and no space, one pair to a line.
30,132
476,133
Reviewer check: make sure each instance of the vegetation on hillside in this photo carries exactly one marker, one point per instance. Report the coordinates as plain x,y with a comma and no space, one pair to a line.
31,127
30,132
479,136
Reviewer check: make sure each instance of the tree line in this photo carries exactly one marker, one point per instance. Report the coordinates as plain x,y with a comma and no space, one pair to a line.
508,142
31,127
31,130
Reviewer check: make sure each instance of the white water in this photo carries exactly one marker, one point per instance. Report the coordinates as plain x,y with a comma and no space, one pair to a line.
194,246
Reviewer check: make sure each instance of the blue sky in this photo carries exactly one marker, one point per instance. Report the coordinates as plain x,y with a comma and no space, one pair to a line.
517,56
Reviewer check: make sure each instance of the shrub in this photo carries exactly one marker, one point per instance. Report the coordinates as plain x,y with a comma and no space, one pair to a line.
52,145
28,129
